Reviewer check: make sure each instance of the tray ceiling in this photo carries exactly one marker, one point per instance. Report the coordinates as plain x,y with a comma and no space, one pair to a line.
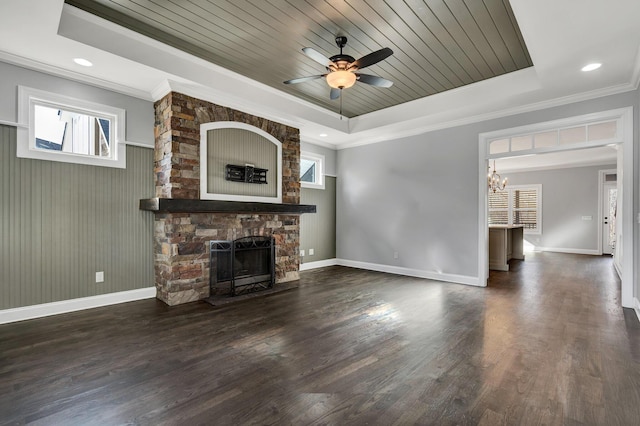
438,44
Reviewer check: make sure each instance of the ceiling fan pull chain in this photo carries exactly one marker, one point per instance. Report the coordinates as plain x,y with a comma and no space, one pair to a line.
340,104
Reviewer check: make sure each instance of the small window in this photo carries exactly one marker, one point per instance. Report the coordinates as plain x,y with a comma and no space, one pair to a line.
59,128
517,205
312,170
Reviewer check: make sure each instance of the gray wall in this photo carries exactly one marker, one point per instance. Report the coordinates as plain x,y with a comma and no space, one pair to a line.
418,196
318,231
415,196
567,195
139,113
61,223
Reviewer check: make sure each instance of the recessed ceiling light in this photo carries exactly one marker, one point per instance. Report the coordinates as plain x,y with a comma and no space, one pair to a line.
323,135
83,62
591,67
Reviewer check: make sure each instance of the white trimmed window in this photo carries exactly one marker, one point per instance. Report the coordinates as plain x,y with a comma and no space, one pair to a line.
60,128
517,205
312,170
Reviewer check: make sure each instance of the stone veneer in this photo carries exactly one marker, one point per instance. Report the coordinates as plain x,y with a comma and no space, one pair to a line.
181,239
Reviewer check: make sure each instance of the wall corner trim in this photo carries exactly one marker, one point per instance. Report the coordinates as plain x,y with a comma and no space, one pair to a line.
418,273
72,305
636,307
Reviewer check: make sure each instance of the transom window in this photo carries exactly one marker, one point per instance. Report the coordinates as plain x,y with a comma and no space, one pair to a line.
550,139
517,205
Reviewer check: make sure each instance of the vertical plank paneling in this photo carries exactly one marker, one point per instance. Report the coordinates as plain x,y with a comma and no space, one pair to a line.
46,234
61,223
6,238
318,231
240,147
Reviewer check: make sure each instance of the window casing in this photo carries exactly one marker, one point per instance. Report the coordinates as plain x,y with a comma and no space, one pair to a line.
65,129
312,170
517,205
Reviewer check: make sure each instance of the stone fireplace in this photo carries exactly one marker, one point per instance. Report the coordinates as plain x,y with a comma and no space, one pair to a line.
185,224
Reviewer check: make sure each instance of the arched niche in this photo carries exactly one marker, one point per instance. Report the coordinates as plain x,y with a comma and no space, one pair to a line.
240,144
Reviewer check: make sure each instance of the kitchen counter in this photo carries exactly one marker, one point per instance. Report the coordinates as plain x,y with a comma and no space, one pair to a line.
506,242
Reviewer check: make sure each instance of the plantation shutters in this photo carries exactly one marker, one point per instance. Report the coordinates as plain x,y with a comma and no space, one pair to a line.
499,208
517,205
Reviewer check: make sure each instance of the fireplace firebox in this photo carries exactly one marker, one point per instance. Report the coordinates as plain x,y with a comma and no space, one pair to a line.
246,264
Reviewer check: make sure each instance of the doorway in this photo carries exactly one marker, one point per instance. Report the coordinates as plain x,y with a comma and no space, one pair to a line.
568,134
609,206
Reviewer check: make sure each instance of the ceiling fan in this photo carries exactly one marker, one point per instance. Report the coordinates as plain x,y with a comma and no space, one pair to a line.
342,69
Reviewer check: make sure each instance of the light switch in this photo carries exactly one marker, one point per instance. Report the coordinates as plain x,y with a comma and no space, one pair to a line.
587,217
301,253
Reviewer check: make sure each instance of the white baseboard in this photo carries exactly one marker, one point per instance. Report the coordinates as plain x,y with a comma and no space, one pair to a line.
398,270
636,307
569,250
318,264
64,306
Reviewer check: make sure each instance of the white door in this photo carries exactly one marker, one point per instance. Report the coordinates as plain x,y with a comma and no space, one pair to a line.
609,200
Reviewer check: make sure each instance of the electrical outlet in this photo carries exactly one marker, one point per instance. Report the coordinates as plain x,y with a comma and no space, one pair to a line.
311,251
395,255
301,253
100,277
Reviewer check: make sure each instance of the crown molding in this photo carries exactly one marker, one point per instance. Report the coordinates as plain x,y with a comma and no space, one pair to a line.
353,139
161,90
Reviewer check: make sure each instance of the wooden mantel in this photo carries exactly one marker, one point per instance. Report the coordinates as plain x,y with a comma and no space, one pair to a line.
178,205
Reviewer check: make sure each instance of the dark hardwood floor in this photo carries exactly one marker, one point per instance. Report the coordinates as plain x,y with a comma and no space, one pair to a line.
546,343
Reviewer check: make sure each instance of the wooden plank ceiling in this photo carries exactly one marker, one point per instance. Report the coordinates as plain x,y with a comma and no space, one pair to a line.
438,44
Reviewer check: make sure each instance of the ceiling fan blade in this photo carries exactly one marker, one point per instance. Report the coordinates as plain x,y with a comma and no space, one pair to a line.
303,79
318,57
335,94
372,58
374,80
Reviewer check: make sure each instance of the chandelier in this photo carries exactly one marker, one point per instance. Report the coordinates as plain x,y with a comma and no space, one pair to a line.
493,180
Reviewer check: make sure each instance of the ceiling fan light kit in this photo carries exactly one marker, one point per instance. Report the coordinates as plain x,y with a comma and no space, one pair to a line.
341,79
341,69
